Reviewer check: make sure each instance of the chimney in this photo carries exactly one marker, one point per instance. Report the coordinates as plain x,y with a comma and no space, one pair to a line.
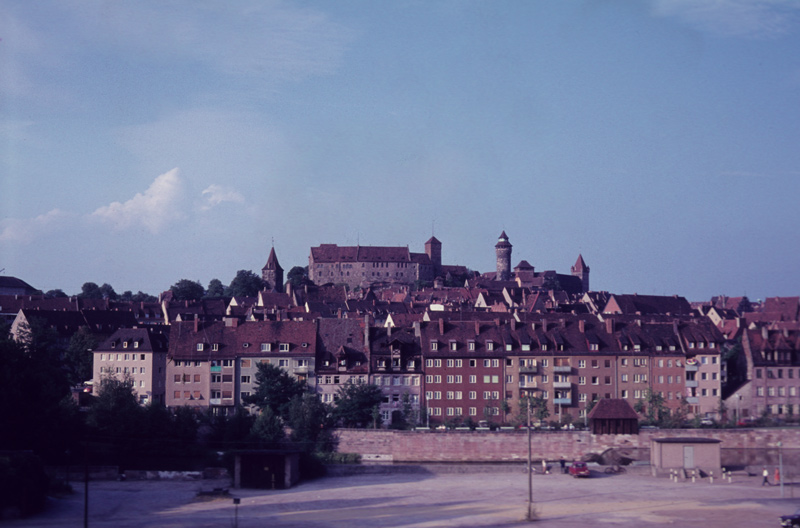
513,325
609,326
582,325
196,324
417,329
366,333
477,328
441,326
533,326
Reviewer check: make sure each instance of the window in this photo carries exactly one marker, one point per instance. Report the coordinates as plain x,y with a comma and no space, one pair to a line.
595,380
582,380
459,363
434,345
245,379
266,347
450,378
199,347
451,362
428,362
471,345
487,362
489,345
453,345
473,378
225,363
624,393
473,362
545,378
624,378
473,395
544,363
283,347
283,362
581,363
437,379
595,363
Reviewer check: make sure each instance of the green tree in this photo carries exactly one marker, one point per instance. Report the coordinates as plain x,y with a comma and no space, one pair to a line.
215,289
107,292
311,423
246,284
538,406
57,293
90,290
355,404
78,357
187,290
297,275
267,430
275,388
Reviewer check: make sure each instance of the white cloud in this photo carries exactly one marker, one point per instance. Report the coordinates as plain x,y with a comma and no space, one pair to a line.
215,194
735,18
26,230
154,209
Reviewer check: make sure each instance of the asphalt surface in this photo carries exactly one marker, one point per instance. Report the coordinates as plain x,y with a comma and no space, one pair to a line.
428,499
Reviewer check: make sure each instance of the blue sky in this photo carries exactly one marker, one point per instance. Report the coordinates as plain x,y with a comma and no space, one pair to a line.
146,142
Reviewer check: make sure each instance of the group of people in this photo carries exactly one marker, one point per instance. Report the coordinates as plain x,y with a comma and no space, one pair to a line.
765,474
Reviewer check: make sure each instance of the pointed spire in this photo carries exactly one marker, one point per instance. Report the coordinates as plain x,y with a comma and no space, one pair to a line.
272,261
580,265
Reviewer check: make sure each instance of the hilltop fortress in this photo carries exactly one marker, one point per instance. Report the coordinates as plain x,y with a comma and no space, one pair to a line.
364,266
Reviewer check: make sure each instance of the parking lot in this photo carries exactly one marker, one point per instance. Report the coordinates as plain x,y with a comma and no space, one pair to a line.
425,497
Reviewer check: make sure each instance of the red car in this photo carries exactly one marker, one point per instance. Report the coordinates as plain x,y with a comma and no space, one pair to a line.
579,469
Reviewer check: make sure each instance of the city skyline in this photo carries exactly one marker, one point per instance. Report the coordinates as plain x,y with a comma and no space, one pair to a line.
143,144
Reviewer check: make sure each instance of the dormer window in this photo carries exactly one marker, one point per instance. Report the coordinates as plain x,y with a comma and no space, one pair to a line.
434,345
471,345
343,362
593,346
526,348
215,347
283,347
266,347
113,344
453,345
508,347
489,345
637,348
691,344
701,344
136,344
124,344
199,347
544,346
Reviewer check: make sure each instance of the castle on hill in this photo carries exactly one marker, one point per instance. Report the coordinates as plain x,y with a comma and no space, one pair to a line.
363,266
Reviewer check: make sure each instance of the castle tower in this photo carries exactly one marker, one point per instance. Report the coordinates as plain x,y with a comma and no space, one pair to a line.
503,252
581,270
272,273
433,248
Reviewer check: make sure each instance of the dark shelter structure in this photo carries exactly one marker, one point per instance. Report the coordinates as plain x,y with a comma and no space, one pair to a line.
613,416
266,469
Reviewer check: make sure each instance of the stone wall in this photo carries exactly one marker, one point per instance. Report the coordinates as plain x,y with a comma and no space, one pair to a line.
512,446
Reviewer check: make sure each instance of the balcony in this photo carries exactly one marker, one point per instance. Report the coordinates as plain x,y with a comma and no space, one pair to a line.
301,370
692,400
562,385
562,369
216,369
562,401
691,368
529,369
215,401
691,383
527,384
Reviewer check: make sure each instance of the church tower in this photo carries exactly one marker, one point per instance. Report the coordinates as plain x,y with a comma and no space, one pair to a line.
433,248
581,270
272,273
503,252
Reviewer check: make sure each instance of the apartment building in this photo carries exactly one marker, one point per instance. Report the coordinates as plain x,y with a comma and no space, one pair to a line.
137,355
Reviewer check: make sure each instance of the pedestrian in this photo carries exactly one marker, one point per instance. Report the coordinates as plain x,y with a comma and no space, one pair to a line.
765,473
563,464
544,467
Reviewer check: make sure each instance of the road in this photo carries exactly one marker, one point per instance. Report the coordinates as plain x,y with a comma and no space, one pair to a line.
429,499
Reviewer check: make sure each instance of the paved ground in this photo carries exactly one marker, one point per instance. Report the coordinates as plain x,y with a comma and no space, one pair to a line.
427,499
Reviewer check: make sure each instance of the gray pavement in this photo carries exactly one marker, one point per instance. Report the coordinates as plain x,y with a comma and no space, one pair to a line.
429,499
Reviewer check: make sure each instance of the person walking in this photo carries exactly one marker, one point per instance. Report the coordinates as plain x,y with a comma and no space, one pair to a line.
765,474
563,463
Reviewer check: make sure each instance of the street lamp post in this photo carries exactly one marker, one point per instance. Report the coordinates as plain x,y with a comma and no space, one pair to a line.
780,465
531,515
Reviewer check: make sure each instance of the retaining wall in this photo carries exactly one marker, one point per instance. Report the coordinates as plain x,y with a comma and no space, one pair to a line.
512,446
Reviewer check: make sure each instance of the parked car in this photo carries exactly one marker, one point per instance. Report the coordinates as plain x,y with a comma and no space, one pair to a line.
579,469
791,520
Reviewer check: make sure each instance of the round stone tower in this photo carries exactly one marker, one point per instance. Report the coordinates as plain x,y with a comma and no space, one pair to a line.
503,252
